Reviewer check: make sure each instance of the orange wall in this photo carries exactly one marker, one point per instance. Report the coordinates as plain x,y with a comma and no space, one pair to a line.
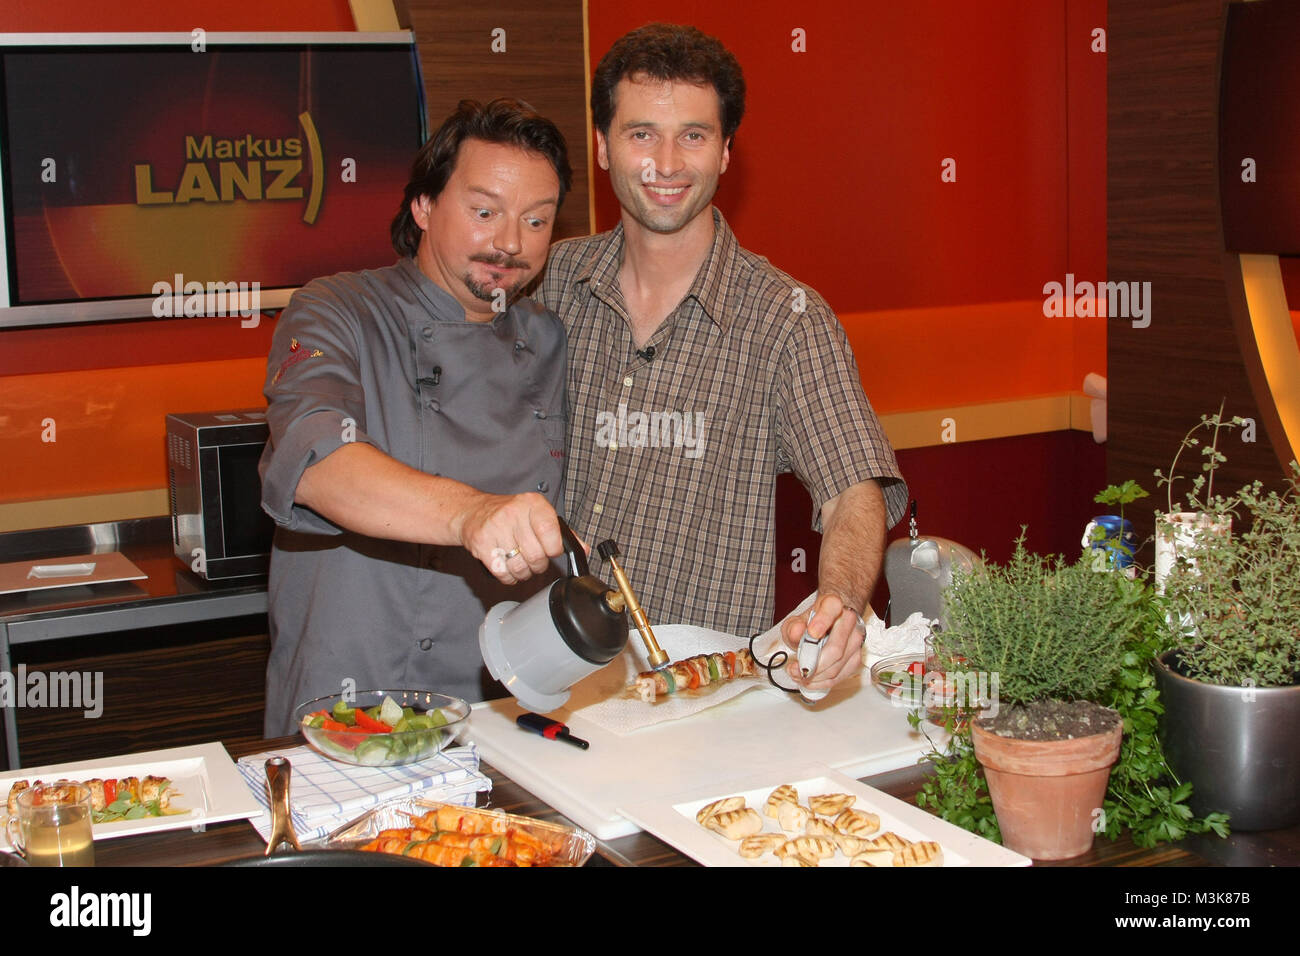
107,386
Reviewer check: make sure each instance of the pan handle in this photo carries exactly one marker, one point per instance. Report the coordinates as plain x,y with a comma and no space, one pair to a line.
277,784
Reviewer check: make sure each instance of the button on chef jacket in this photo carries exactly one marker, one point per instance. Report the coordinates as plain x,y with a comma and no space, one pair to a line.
386,357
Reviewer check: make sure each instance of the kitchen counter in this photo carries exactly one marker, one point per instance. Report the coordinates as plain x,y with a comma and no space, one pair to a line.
170,594
228,841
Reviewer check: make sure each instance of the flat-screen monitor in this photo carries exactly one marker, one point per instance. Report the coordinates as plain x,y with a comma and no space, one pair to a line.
169,175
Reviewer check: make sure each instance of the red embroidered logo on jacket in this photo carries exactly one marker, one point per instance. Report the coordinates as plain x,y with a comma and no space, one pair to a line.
296,354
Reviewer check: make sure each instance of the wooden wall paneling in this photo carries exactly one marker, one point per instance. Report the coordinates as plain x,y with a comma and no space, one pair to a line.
158,690
1163,226
543,63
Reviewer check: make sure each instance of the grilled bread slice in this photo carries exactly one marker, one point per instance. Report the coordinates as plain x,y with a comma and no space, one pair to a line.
814,848
857,823
752,847
717,806
850,845
735,824
831,804
873,858
792,817
889,840
818,827
919,854
781,795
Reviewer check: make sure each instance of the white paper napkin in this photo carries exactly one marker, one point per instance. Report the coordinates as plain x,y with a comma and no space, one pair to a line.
604,700
324,794
906,638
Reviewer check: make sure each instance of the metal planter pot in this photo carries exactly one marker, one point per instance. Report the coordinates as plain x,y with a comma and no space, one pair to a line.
1239,746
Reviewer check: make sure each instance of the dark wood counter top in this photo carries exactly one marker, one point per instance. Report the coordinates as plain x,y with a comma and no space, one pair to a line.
227,841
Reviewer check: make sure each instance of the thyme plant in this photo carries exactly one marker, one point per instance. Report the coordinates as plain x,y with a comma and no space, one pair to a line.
1048,629
1126,624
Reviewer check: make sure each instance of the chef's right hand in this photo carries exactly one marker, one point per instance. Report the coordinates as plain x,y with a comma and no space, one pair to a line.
515,536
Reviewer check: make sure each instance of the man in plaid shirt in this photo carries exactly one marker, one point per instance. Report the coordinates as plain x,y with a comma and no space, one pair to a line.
698,372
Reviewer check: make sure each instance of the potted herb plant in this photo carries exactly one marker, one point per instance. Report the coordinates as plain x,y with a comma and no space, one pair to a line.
1142,795
1052,638
1231,683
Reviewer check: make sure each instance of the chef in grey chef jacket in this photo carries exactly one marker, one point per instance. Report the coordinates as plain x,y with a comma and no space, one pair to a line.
417,419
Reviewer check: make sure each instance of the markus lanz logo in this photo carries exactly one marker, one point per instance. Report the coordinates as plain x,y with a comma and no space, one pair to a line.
1124,300
248,168
651,430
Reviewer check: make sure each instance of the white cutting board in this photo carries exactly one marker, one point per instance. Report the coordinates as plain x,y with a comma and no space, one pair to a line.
854,730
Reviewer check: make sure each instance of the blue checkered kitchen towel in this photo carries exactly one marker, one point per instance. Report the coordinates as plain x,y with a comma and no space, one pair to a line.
324,794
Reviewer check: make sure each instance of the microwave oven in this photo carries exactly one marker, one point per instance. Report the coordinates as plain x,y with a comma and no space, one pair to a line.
219,529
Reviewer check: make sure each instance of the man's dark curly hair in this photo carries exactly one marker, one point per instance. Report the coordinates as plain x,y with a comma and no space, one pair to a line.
668,52
505,121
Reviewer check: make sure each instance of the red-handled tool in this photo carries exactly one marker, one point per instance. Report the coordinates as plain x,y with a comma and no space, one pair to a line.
550,729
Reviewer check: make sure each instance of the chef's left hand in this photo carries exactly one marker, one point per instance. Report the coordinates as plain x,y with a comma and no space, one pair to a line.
841,657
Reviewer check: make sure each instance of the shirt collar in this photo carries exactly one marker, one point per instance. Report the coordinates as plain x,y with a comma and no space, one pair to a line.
710,286
445,306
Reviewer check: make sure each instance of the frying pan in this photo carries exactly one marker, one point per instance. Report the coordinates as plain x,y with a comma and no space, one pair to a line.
277,781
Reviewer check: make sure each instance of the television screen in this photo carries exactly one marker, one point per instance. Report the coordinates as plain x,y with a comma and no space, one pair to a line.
143,171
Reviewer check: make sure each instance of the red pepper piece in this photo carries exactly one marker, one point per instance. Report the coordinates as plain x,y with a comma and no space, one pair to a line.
366,722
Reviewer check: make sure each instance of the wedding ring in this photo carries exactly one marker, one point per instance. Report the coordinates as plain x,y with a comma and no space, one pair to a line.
512,553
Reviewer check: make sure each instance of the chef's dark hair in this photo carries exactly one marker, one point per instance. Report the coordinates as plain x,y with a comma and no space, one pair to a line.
668,52
505,121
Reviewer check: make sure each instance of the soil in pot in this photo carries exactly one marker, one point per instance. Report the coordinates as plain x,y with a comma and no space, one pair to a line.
1051,720
1047,765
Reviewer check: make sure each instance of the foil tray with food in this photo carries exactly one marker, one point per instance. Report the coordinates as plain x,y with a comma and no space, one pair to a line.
448,835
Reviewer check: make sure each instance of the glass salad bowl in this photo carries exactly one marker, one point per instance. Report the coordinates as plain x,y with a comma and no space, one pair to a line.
382,728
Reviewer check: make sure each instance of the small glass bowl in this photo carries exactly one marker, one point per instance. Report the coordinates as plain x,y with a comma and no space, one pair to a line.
364,749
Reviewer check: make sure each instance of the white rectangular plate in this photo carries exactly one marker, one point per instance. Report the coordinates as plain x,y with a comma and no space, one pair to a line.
210,787
673,821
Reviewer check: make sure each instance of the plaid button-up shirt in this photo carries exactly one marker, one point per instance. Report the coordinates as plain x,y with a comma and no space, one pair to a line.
675,456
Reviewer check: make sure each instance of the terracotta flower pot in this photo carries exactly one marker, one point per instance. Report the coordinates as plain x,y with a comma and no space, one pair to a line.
1045,792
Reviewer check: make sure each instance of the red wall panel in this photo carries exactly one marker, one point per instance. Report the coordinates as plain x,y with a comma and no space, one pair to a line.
976,493
835,174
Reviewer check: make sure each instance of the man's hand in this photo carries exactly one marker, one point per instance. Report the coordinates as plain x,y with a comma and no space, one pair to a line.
515,536
853,547
841,656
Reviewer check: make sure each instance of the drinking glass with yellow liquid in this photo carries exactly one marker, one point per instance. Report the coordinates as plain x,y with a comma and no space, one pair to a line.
52,826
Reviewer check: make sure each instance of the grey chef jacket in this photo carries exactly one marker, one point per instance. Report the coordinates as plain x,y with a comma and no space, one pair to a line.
387,357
